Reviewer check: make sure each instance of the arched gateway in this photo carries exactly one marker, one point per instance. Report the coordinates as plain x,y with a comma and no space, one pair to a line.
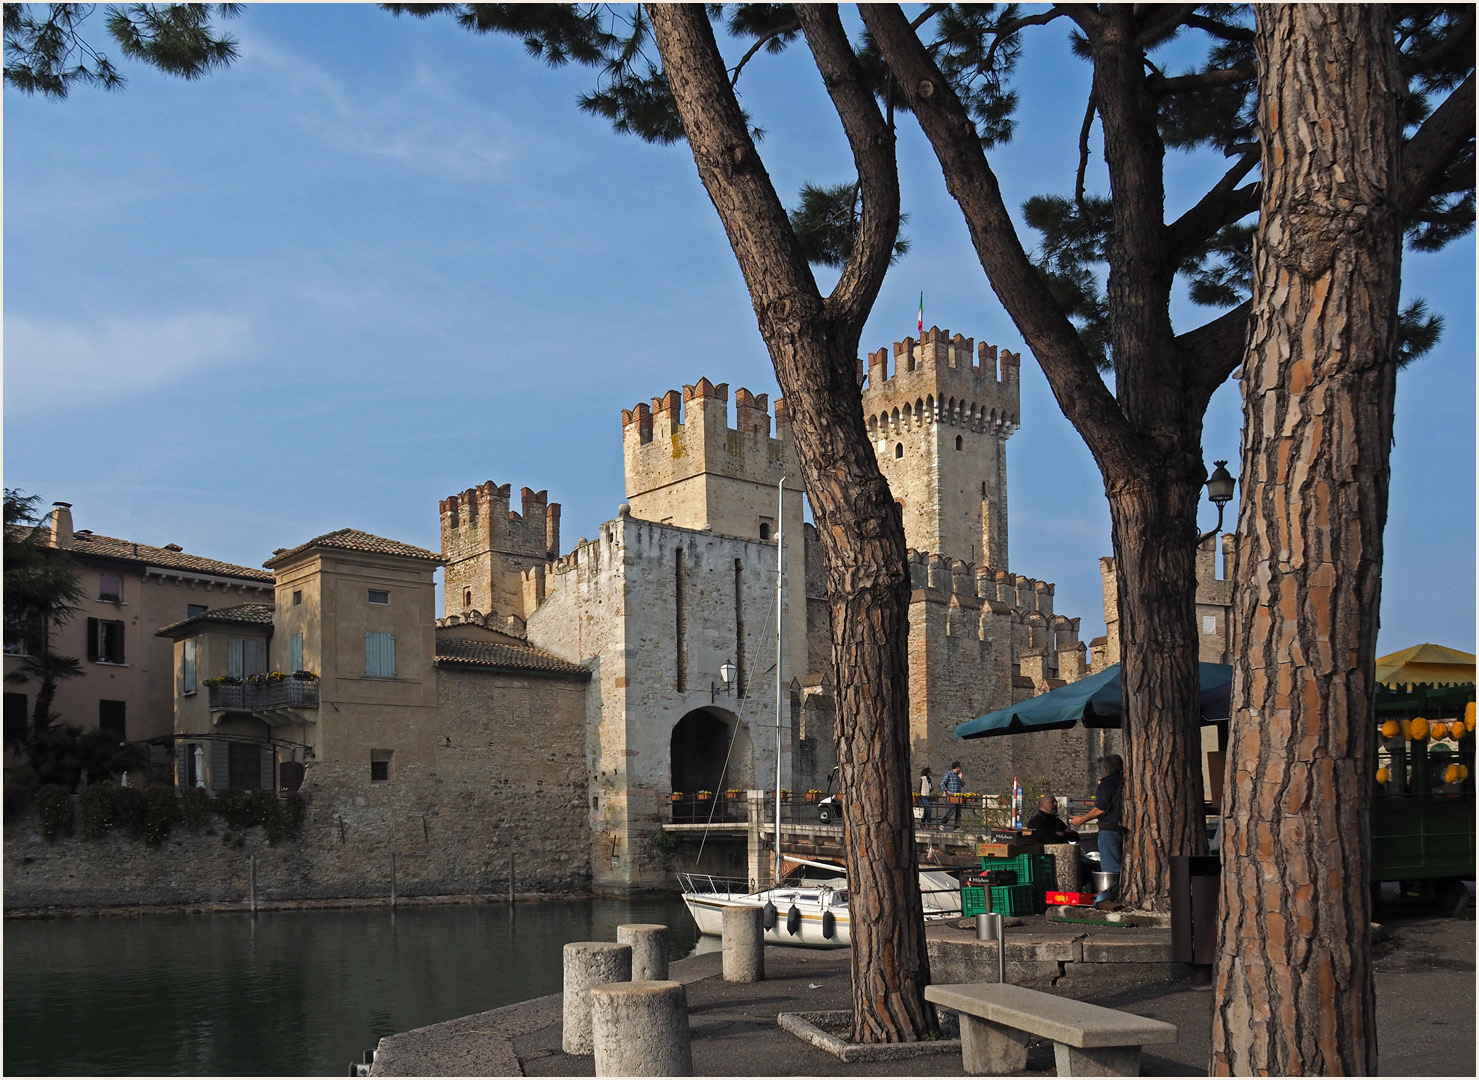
711,751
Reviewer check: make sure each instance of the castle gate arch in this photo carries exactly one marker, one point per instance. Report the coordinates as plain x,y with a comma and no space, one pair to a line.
701,742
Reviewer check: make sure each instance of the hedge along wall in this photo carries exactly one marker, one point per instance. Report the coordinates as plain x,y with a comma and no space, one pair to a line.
507,780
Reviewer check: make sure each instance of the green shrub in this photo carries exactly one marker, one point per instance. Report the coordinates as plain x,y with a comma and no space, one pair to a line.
55,808
236,808
163,812
99,809
195,808
132,813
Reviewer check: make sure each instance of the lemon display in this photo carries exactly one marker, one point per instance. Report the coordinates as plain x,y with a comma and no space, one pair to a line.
1419,727
1469,716
1390,729
1383,774
1437,730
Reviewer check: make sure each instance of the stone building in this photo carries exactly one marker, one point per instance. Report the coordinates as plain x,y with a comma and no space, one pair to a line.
130,589
564,695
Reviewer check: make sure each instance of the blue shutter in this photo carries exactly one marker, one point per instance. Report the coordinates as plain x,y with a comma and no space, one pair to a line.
254,656
220,779
236,657
187,668
295,652
268,759
379,655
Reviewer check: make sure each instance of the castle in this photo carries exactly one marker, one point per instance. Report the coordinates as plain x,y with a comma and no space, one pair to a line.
533,734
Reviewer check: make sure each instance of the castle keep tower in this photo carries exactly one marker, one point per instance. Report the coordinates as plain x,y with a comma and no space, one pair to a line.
488,547
939,425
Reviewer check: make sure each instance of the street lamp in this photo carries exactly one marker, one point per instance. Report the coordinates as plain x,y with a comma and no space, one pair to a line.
727,672
1220,487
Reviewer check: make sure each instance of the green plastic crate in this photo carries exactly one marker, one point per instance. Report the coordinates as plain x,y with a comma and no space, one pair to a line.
973,901
1018,900
1039,871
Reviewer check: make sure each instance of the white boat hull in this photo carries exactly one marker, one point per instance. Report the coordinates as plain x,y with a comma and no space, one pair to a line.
707,910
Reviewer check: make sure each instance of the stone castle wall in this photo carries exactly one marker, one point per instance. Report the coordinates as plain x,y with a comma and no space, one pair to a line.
506,778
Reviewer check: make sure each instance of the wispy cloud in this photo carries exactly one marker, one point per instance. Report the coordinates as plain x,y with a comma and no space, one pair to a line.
50,363
419,120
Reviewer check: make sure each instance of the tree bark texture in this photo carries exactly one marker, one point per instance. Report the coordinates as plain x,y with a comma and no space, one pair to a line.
1145,438
813,343
1294,988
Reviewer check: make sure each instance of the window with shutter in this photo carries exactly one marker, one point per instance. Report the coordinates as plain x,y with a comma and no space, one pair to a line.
220,767
295,652
268,760
244,765
112,718
105,641
255,656
235,657
187,667
110,587
379,655
182,766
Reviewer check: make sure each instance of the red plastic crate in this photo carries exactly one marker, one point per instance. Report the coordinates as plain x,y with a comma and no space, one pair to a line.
1072,899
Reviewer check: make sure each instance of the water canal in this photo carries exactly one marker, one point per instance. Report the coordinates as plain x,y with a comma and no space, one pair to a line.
289,993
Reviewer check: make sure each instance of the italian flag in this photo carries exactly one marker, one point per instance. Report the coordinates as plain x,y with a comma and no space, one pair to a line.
921,314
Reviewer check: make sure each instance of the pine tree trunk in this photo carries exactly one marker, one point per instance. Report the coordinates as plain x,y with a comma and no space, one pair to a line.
813,344
1294,987
1155,550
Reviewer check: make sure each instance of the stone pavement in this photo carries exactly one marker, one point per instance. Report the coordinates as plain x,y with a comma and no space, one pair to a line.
1425,994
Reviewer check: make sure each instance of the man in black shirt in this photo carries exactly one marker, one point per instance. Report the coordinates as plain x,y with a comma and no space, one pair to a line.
1108,800
1047,827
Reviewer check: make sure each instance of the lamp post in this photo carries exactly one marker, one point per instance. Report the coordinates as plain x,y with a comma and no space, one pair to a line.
727,672
1220,487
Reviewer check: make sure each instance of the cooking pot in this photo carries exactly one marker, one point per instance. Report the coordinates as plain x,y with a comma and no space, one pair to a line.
1102,881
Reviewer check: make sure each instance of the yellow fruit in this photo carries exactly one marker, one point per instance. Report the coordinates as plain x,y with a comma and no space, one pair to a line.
1469,716
1451,774
1390,729
1383,774
1419,727
1438,730
1406,729
1456,730
1463,773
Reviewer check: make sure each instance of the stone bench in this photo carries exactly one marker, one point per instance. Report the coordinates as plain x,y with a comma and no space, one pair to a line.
996,1020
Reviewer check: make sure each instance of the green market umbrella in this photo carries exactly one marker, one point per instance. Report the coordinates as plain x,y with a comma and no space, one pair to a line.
1095,700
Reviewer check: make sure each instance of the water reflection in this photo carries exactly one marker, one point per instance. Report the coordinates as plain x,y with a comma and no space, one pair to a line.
289,993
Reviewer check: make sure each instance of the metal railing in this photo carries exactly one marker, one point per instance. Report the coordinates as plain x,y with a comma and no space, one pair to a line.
289,693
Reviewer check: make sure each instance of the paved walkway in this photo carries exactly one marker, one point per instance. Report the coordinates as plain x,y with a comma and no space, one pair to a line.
1425,991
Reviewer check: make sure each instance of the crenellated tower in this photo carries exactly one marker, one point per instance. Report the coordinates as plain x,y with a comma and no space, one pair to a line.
489,547
686,466
939,425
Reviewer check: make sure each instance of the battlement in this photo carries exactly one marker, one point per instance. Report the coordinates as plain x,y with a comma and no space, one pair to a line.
946,380
481,517
680,437
955,577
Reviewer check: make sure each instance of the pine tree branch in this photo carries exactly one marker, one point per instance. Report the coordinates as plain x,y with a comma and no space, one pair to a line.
1083,154
1221,30
1044,326
1161,20
1213,351
1456,41
789,28
1223,205
1433,146
1204,80
872,144
1006,30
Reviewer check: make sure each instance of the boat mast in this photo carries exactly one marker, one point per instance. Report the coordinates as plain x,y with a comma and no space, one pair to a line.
780,652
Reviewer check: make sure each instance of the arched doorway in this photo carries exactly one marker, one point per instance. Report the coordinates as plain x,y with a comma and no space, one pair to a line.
700,745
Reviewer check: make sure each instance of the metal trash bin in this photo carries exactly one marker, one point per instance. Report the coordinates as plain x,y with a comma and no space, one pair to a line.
1195,880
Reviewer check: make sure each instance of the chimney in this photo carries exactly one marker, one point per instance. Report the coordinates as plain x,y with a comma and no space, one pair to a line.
61,524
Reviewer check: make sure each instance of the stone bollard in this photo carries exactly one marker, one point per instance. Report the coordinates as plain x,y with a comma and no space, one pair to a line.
744,945
588,964
641,1029
1065,859
649,942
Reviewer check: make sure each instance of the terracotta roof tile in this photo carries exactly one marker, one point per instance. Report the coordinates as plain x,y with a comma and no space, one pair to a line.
236,615
355,540
494,654
110,547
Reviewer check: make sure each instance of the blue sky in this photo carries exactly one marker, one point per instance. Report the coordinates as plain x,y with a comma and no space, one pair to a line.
380,260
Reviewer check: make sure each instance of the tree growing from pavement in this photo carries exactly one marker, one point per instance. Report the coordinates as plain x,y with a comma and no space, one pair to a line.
1145,434
1295,984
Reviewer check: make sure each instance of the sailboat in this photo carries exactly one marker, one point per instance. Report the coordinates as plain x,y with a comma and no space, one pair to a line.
809,906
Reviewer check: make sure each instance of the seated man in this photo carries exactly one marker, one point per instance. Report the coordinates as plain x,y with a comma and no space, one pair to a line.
1047,827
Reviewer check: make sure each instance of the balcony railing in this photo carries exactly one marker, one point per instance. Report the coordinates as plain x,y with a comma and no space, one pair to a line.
289,693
